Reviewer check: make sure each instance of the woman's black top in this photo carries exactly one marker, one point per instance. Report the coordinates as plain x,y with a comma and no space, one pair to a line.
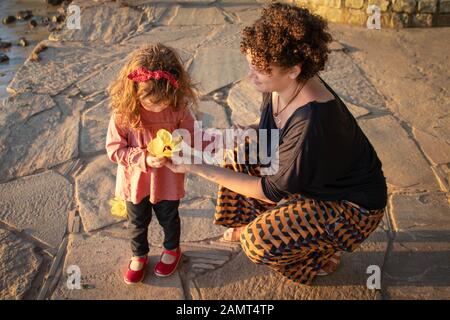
324,155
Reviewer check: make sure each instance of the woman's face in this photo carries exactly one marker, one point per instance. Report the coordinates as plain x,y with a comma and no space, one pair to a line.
276,81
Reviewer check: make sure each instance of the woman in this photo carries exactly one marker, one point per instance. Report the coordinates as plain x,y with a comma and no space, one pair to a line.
329,192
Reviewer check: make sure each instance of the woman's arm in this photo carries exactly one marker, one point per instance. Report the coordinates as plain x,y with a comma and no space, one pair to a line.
241,183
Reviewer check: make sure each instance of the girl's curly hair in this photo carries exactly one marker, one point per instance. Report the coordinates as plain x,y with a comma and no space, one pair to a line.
125,94
285,36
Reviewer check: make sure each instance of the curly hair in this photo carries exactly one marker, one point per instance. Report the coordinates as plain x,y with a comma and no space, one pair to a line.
126,94
285,36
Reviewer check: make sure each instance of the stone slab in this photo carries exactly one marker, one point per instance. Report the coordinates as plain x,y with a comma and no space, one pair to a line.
198,16
242,279
348,81
436,148
37,204
245,103
107,23
212,115
35,140
214,68
94,187
94,126
403,164
20,264
102,276
60,66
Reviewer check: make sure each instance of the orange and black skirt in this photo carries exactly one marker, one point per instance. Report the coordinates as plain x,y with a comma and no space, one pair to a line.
299,235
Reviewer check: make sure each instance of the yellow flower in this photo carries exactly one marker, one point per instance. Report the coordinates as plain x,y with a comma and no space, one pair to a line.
164,145
118,207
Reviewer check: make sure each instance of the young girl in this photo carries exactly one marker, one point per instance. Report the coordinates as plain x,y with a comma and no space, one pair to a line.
151,92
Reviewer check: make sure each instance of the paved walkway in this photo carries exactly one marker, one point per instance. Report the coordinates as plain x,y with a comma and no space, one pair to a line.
55,178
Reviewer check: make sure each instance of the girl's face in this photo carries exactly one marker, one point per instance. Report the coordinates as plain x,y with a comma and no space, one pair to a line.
148,105
276,81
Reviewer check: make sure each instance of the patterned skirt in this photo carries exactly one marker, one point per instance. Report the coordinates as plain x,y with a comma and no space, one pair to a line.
298,236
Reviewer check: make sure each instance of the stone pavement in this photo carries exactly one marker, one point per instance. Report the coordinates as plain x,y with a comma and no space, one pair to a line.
55,178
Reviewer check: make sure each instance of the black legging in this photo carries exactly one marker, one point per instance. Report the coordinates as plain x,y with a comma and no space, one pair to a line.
140,216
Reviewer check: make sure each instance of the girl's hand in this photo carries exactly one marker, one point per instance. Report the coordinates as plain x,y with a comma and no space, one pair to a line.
155,162
176,168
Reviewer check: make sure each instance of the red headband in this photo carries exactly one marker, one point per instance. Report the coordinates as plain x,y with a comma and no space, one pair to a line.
143,74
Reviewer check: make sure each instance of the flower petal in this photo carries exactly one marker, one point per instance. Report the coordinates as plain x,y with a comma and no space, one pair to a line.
165,136
118,207
155,147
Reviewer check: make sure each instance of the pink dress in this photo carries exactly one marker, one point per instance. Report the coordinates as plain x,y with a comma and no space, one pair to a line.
128,148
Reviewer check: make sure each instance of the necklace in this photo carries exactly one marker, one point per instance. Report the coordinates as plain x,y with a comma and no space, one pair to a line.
277,113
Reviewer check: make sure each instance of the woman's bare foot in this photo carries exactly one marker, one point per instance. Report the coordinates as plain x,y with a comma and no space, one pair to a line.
232,234
331,265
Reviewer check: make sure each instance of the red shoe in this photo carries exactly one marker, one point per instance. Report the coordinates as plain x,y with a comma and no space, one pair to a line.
136,276
163,269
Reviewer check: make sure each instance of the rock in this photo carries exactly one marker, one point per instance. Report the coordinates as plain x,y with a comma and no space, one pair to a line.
38,205
55,2
9,20
95,186
214,68
94,126
45,21
56,18
20,265
427,6
51,27
245,102
3,57
444,6
4,44
405,167
212,115
24,15
37,136
240,278
23,42
102,277
32,23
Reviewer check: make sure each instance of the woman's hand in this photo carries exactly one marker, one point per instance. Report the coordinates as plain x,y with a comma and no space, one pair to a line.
155,162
